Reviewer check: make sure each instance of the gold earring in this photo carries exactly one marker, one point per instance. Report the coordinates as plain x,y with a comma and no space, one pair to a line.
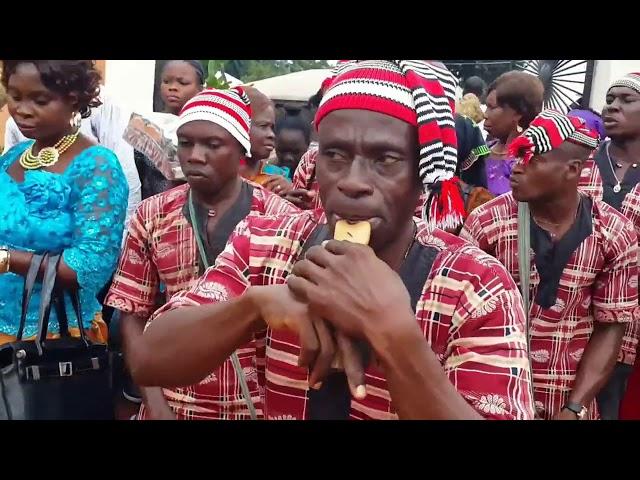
75,121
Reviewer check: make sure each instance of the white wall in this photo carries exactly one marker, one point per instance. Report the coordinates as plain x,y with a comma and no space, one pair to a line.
131,83
606,72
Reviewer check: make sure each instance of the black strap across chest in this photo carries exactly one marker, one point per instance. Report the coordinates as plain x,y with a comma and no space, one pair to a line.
333,400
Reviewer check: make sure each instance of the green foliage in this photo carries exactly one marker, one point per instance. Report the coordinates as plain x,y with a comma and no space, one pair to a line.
251,70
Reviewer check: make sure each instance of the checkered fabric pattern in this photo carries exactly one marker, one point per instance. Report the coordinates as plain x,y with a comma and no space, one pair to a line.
591,183
160,247
469,312
598,284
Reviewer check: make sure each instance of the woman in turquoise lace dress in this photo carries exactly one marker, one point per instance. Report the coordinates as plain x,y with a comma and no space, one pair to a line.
75,205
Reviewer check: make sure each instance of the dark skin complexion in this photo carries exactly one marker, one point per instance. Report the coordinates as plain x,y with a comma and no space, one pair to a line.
621,117
367,170
301,198
263,140
210,159
290,146
501,122
179,83
45,116
549,183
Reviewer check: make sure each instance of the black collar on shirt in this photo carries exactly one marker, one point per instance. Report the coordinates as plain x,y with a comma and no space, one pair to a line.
630,180
215,243
551,258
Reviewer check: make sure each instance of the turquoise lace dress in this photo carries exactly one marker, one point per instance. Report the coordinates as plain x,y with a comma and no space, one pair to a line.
79,212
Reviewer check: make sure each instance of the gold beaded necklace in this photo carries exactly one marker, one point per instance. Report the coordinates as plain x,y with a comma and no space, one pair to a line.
48,156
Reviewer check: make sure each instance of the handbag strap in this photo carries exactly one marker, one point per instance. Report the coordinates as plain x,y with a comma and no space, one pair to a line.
234,356
48,283
27,292
60,305
524,272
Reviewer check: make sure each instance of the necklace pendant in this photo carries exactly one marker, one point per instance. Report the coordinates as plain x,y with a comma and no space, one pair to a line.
48,156
212,213
634,165
617,188
618,165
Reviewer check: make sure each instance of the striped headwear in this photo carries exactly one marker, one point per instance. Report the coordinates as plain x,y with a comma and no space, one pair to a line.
548,131
630,80
422,94
228,108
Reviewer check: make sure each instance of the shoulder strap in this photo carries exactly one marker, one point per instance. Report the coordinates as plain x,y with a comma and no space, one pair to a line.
234,356
225,226
333,400
524,273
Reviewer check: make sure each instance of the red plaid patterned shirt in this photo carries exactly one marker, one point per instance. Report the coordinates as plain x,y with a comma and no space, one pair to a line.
160,247
305,177
591,184
599,283
470,312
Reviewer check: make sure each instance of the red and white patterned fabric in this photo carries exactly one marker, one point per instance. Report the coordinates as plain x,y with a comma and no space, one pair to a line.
548,131
470,312
598,284
591,184
305,176
228,108
160,248
422,94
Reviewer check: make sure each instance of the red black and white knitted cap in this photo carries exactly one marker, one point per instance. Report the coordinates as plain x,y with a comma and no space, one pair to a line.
228,108
422,94
630,80
548,131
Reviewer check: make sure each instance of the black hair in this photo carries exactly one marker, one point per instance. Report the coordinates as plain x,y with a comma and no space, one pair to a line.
315,99
294,122
475,85
64,77
197,66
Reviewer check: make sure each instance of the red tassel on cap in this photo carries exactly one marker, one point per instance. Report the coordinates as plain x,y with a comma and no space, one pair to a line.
446,206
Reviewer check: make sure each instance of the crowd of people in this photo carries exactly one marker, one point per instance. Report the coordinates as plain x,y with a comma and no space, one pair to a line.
497,278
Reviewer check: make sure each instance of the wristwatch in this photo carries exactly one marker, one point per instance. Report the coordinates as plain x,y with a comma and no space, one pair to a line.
5,260
579,410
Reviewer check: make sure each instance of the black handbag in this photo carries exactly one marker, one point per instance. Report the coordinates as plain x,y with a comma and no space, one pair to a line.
54,379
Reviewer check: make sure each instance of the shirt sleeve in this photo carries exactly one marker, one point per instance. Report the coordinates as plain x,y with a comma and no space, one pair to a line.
98,217
135,284
487,357
305,170
226,279
473,232
615,293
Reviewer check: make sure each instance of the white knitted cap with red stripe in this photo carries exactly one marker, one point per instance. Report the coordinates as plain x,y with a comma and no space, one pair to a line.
228,108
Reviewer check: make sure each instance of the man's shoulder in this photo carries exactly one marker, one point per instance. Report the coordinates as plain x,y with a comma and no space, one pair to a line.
502,206
609,220
163,203
266,202
462,261
283,227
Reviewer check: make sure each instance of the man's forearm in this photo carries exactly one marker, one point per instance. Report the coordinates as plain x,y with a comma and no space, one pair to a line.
417,383
183,346
597,363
